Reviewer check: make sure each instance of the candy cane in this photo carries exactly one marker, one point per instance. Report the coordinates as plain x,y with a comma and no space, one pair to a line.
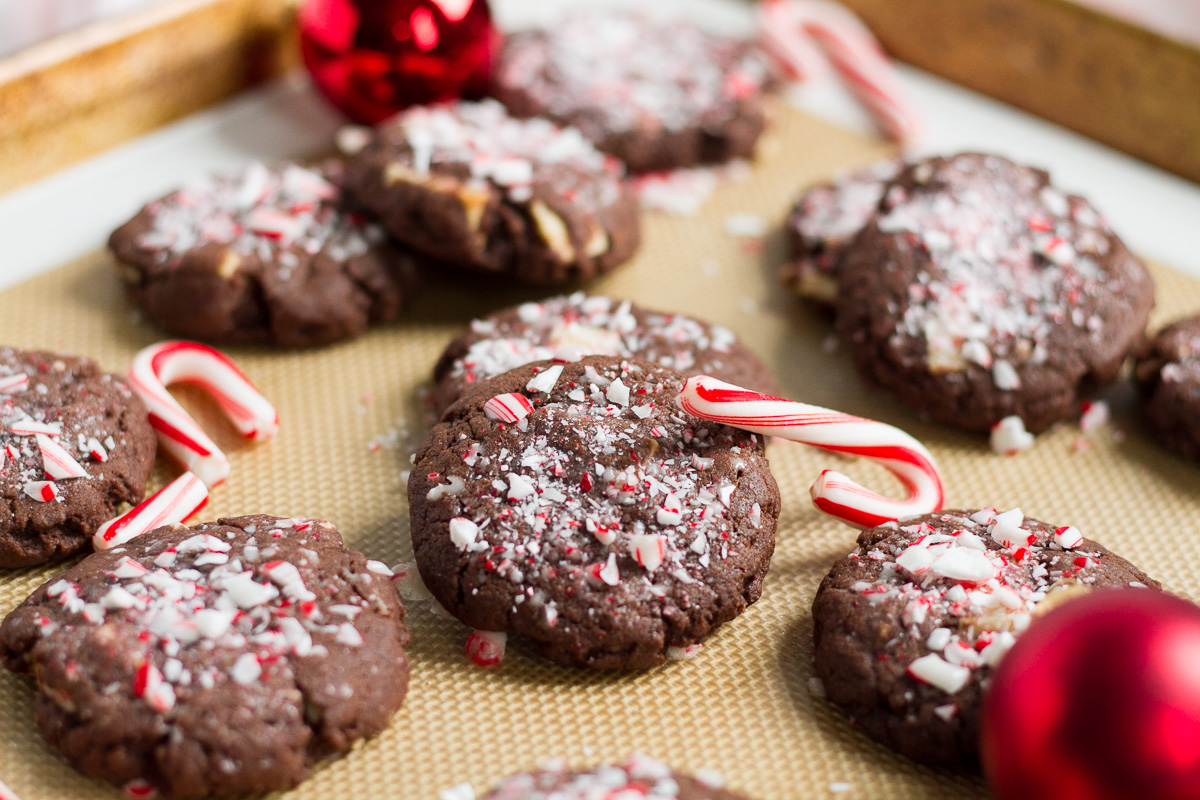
791,26
13,384
779,23
833,493
166,363
176,502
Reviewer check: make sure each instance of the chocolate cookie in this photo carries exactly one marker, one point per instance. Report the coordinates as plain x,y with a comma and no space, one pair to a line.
909,626
222,659
273,255
575,504
657,94
75,443
1168,378
578,325
639,777
824,222
471,186
979,291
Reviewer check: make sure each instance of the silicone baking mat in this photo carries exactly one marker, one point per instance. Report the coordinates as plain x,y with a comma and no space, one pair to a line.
743,705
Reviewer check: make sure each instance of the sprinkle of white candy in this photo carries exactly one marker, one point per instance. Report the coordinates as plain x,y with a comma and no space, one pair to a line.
1009,436
463,791
746,225
463,532
936,671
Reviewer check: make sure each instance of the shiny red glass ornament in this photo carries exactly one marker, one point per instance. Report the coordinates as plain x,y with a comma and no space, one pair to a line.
1099,700
372,58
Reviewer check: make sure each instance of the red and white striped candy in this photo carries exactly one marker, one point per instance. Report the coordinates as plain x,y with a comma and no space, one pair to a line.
1068,537
96,450
11,384
486,648
175,502
649,550
57,463
274,224
149,685
791,26
833,493
509,407
31,427
7,793
42,491
165,363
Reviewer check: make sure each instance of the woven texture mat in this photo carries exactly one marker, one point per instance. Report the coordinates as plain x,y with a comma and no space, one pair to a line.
742,706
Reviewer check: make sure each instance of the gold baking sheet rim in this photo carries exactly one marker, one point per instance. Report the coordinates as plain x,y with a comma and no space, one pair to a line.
743,705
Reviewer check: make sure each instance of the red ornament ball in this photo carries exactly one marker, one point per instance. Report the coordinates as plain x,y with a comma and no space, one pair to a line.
372,58
1099,700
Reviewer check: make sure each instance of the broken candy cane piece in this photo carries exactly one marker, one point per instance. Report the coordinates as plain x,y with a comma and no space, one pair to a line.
12,384
509,407
174,503
1009,436
57,463
486,648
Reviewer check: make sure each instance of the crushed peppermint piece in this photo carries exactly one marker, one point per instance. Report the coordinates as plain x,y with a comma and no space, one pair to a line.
609,572
709,777
42,491
1009,436
684,653
946,712
936,671
14,384
508,407
617,393
1007,531
57,463
544,381
746,225
1068,537
1095,414
649,549
409,583
679,192
463,532
486,648
1005,376
246,669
